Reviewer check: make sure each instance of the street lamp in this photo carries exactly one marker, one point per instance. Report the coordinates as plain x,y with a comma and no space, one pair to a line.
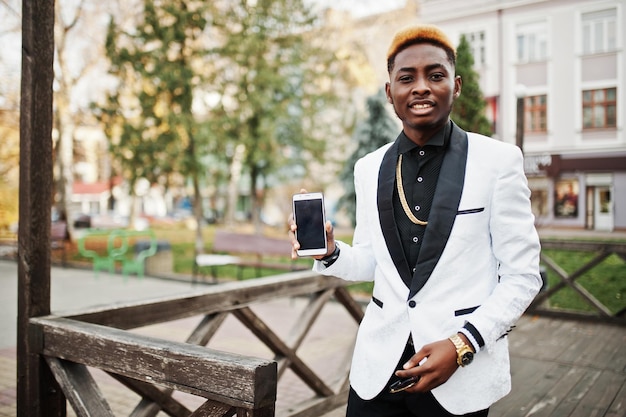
520,94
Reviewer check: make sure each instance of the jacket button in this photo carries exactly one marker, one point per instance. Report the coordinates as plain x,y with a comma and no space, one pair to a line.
412,303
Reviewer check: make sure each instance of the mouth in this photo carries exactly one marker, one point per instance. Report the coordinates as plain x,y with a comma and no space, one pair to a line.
421,105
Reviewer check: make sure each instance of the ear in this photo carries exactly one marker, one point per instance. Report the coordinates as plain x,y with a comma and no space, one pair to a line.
457,86
388,93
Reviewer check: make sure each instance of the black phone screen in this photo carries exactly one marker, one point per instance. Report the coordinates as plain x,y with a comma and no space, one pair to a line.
310,220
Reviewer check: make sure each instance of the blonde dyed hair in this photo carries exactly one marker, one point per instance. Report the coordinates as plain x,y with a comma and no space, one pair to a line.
422,33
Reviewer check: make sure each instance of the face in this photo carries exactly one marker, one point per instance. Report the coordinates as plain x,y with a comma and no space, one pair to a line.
422,87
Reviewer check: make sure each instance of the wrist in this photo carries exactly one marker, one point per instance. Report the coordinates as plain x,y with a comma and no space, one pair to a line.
465,354
329,259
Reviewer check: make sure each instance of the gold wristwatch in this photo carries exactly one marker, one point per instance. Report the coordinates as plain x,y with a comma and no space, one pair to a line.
464,354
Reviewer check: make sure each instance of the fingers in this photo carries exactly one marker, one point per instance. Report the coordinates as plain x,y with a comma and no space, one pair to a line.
291,231
330,236
436,370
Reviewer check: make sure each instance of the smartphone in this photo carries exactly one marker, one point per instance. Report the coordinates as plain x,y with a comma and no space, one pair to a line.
406,383
310,217
403,384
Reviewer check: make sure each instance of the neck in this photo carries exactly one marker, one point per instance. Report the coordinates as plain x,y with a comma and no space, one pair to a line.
422,135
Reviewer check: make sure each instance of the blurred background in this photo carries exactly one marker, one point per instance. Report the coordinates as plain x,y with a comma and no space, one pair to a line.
191,113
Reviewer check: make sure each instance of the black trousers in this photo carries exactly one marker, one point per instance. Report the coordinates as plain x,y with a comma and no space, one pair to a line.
401,404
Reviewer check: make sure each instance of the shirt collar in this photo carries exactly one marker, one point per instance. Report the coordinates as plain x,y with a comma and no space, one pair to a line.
438,140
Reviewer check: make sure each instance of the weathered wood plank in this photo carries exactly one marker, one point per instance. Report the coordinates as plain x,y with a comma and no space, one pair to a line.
598,399
229,378
80,388
200,335
317,407
594,355
301,327
561,366
355,309
225,297
578,391
534,374
213,409
162,400
271,339
618,405
583,246
206,329
38,394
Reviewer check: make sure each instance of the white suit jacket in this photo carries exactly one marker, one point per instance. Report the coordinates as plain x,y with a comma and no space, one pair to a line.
479,263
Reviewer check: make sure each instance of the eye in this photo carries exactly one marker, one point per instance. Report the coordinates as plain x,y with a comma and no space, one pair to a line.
437,76
405,78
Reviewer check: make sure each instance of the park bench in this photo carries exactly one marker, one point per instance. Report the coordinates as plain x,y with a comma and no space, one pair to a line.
59,237
90,244
245,250
117,244
145,246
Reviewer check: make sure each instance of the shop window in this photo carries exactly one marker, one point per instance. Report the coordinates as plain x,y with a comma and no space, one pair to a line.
600,108
535,113
599,31
566,198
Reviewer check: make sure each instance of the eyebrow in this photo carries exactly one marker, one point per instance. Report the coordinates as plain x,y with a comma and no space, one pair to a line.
429,67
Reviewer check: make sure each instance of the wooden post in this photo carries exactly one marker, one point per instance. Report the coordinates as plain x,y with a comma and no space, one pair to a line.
38,394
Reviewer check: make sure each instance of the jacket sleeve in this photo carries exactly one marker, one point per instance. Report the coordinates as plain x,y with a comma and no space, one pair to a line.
516,247
356,262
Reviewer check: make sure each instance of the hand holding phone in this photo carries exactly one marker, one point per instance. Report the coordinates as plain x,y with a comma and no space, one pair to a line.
406,383
310,218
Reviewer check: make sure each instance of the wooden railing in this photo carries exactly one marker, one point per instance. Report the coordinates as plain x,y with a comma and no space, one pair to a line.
600,252
154,368
232,384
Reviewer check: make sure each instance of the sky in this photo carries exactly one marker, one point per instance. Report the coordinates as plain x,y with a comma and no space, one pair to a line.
10,40
360,8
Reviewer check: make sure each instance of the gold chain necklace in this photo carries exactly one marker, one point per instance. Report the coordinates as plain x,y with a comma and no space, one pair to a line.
405,204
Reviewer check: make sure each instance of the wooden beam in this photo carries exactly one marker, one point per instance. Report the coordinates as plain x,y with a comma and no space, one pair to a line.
235,380
38,395
153,397
201,335
219,298
81,389
275,343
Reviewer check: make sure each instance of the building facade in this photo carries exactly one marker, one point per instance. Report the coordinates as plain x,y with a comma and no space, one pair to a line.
563,63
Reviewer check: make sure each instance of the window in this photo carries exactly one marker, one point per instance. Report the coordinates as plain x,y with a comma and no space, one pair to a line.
600,108
599,31
535,111
532,42
476,41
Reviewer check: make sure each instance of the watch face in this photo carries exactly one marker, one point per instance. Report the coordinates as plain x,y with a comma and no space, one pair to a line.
467,358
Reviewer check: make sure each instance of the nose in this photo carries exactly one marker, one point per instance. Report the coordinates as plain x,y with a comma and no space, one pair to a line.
421,86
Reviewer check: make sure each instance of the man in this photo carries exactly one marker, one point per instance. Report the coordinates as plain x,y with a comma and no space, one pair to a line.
445,231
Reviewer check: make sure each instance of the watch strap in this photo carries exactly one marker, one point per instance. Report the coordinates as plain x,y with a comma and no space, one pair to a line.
328,260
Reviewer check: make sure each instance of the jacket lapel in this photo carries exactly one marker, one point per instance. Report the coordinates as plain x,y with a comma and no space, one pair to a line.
443,211
386,182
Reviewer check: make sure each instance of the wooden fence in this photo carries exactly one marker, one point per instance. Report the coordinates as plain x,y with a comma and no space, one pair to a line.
154,368
233,384
600,252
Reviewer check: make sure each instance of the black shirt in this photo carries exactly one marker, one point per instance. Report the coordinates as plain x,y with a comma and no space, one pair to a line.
420,171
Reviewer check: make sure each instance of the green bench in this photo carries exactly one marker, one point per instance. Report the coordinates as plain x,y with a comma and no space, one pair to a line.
117,244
